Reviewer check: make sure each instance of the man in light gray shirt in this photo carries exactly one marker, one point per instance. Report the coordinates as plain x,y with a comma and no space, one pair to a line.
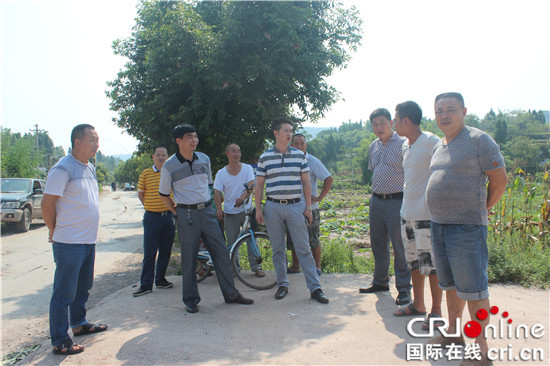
316,171
70,208
458,199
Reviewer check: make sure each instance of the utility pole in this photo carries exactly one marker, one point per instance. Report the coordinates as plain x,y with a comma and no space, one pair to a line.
36,131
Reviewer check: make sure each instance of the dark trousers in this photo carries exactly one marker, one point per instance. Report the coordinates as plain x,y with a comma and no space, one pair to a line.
158,236
73,279
192,225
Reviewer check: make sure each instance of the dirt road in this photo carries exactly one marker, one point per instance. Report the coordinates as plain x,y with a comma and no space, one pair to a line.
28,268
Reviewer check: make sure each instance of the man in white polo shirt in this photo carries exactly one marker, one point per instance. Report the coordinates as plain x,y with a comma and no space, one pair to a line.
70,208
188,175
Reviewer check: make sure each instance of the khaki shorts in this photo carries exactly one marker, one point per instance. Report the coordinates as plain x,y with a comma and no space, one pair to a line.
418,245
314,231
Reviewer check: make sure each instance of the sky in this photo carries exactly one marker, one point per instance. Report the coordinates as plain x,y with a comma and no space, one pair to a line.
56,58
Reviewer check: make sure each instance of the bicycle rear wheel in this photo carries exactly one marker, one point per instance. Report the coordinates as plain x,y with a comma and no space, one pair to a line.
203,270
245,261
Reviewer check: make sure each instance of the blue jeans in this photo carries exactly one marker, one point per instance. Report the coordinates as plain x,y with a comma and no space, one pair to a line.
158,235
461,259
73,279
385,225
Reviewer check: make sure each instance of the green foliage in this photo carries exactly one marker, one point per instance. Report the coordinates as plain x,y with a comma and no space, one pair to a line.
526,266
339,257
101,173
229,68
129,170
20,157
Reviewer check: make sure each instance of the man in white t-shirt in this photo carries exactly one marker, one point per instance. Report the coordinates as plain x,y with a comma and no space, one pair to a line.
70,208
232,186
415,216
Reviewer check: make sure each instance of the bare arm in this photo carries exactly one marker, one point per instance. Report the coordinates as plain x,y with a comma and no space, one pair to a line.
169,203
218,199
258,196
242,199
327,184
306,186
48,212
497,186
141,196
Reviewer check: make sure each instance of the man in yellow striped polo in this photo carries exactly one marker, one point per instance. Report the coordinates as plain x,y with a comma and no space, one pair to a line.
158,227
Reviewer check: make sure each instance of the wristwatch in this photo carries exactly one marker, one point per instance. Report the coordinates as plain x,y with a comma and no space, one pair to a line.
309,208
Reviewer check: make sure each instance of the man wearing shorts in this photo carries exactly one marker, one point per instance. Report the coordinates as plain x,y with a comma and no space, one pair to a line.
415,216
316,171
458,201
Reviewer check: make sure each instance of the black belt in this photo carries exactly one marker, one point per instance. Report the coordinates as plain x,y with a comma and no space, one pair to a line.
198,206
389,196
163,213
283,202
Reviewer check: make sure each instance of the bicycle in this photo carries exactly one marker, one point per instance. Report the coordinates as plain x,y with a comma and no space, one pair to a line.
251,247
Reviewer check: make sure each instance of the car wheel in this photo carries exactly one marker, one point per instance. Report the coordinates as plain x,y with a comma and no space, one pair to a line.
25,224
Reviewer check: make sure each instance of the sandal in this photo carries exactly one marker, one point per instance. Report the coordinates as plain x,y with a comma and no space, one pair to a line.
90,328
437,323
410,310
70,349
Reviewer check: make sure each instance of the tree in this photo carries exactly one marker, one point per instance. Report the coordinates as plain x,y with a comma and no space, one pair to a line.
501,133
130,170
229,68
523,153
19,159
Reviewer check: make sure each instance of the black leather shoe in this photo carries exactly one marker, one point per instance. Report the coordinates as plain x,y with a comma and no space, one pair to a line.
281,292
319,296
240,299
403,298
374,288
191,308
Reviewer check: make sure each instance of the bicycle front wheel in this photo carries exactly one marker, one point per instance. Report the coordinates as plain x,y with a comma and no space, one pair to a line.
203,270
252,257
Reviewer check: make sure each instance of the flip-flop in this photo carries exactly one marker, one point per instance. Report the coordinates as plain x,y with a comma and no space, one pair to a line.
90,328
70,349
411,311
292,270
437,323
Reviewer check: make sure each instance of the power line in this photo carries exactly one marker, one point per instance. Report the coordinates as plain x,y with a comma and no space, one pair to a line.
36,131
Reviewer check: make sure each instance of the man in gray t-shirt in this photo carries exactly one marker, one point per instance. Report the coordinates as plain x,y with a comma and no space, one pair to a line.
70,208
458,201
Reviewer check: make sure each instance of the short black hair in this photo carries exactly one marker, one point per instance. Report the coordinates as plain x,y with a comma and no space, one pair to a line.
79,131
298,135
380,112
454,95
410,110
181,130
158,147
279,121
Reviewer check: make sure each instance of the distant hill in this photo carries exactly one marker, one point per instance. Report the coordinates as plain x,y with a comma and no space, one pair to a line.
124,157
313,131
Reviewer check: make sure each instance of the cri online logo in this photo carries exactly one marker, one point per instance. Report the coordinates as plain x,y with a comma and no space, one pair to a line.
472,329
